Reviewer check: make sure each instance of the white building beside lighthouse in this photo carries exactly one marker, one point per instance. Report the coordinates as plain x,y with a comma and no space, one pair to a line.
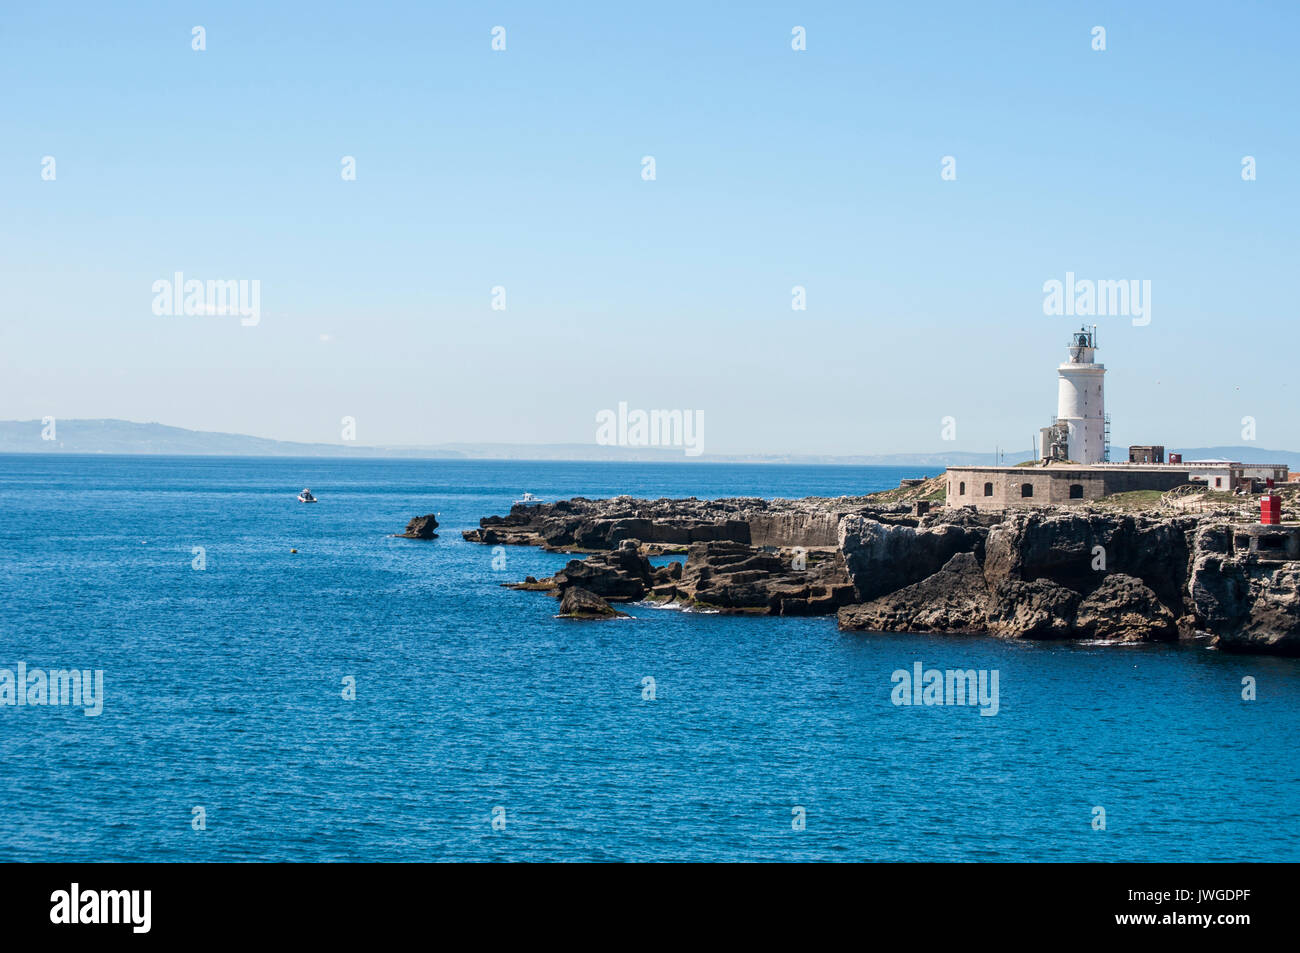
1080,431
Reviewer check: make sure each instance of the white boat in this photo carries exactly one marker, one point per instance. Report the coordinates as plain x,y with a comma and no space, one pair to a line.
528,499
305,496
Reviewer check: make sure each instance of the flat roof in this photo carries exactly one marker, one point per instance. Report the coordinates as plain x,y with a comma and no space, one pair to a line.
1112,467
1073,467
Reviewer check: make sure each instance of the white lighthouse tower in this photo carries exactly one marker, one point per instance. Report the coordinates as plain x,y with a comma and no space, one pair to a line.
1081,406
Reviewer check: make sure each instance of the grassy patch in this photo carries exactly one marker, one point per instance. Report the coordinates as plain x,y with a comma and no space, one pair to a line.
1132,501
932,489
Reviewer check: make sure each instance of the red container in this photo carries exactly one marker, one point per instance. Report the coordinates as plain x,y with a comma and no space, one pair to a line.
1270,509
1175,458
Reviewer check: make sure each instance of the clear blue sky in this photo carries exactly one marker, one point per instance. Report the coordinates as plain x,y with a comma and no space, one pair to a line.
774,168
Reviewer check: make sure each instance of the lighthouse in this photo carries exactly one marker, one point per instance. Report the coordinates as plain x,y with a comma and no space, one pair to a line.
1080,431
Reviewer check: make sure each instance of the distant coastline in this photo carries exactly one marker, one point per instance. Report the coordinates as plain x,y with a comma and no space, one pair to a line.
110,436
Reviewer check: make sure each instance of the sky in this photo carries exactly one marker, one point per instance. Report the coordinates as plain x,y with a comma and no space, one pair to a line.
481,169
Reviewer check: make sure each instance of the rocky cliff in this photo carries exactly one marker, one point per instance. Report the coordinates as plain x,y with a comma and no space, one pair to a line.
1047,573
1077,574
1251,600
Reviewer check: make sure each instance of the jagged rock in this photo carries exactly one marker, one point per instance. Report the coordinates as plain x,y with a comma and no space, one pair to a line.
422,527
954,599
1040,609
1219,585
1072,549
623,575
1213,539
729,575
1273,623
739,578
1123,609
1252,605
965,516
881,558
578,603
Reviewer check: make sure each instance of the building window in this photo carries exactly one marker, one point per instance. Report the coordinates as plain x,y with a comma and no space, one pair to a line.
1076,491
1218,481
1026,489
961,491
988,489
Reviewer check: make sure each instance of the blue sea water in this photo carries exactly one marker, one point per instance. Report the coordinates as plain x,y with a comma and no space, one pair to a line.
224,690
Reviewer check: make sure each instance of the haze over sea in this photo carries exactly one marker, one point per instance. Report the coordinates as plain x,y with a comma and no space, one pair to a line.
224,690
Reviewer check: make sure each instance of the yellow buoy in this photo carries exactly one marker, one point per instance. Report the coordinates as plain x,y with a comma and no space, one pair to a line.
293,550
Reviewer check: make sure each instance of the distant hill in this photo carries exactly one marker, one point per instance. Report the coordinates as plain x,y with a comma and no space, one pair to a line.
128,437
1239,454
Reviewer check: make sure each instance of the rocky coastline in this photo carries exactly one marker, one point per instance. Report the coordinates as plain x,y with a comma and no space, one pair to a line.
884,564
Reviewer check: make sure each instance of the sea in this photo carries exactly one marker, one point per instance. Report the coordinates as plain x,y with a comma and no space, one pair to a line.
289,682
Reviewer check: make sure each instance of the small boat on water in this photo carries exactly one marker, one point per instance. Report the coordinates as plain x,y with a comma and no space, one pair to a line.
528,499
305,496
